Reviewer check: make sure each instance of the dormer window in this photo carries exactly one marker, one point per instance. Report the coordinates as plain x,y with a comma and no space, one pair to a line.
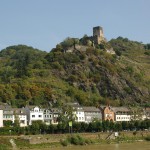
36,110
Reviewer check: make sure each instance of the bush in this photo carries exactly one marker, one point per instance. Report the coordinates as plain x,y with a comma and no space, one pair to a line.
147,138
3,147
56,65
81,140
76,140
64,142
147,53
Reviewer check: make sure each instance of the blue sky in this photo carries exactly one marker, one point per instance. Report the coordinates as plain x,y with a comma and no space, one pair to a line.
44,23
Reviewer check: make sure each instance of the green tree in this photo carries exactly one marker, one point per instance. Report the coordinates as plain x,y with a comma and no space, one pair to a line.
7,123
68,42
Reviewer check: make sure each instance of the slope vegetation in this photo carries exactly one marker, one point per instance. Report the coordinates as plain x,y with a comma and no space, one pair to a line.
88,75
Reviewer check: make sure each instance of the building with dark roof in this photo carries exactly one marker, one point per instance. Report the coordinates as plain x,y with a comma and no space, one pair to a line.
92,113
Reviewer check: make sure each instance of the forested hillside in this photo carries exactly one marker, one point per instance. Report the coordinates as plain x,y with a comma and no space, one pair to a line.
88,74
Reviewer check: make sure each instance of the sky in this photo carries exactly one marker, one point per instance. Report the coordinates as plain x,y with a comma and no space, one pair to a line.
44,23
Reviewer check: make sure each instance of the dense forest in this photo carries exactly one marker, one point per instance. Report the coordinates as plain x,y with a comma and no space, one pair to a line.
76,71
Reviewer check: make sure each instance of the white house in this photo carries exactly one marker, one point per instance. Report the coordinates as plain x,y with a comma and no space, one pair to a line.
21,116
1,117
34,113
121,114
78,111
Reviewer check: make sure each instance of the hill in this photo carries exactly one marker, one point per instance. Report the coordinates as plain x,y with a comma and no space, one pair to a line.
89,75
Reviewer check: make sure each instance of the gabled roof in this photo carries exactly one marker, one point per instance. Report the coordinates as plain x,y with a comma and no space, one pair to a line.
75,104
102,107
55,110
19,111
32,106
91,109
5,107
120,109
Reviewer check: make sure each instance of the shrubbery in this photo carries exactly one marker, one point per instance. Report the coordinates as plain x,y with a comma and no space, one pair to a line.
96,126
75,140
147,138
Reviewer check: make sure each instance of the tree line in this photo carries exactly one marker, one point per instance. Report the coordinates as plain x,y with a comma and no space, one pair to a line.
39,127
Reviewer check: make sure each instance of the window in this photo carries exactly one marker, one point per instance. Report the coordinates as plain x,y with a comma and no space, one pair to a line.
36,110
33,116
22,121
55,120
40,116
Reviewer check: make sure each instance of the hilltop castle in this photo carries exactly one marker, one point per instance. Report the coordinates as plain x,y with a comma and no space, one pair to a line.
98,35
95,40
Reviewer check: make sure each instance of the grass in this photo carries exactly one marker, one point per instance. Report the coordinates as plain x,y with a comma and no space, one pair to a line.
57,140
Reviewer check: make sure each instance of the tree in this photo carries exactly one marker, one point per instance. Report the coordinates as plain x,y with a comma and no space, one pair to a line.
105,125
22,65
125,125
7,123
68,42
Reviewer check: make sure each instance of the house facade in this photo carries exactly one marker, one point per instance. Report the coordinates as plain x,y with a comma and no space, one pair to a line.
78,112
55,115
25,116
107,113
92,113
8,114
1,117
48,116
21,116
34,113
121,114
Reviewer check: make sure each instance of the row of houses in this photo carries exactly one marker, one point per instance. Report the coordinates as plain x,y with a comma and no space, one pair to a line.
26,115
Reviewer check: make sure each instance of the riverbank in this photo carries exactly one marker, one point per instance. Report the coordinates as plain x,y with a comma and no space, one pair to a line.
59,140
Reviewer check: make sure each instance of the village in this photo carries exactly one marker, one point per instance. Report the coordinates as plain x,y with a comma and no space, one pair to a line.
27,115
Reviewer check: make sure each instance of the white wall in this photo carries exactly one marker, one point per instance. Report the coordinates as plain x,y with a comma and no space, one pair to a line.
80,116
1,118
23,120
122,117
36,114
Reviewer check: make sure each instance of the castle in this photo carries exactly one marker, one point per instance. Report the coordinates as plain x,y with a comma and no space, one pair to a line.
98,35
95,40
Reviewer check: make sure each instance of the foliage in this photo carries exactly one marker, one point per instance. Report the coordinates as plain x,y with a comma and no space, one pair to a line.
39,127
31,76
7,123
68,42
147,46
147,53
64,142
147,138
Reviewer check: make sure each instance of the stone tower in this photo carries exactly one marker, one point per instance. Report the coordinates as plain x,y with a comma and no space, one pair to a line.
98,35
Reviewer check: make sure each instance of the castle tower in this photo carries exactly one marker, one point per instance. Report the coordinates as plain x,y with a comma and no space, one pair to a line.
98,35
